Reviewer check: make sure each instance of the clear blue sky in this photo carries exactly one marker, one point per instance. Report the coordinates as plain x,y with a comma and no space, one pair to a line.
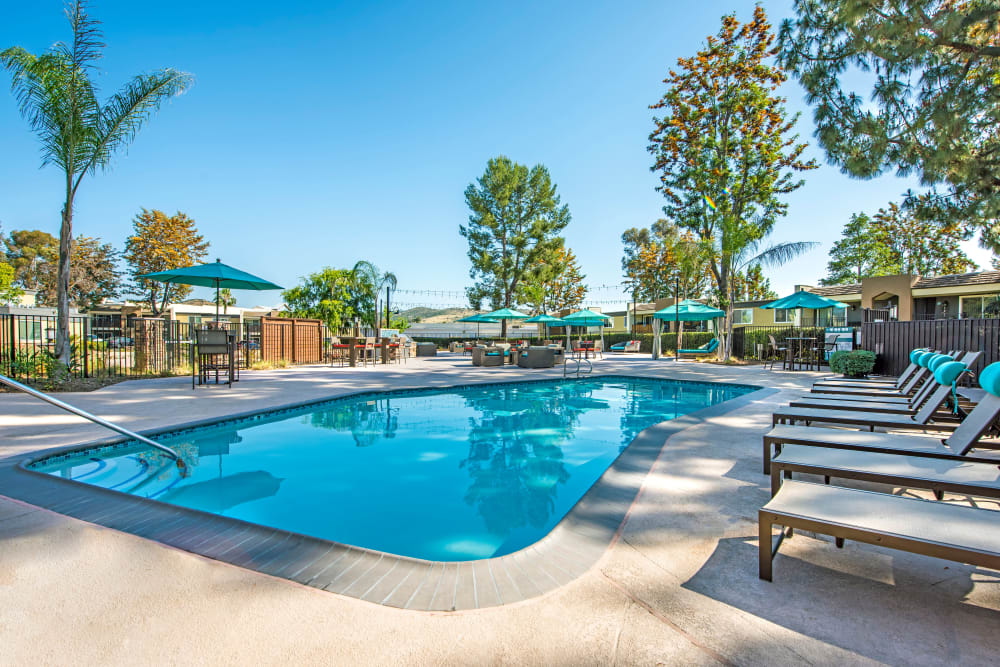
320,133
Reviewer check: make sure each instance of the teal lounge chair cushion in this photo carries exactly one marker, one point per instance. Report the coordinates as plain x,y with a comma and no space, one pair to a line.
949,372
707,348
989,379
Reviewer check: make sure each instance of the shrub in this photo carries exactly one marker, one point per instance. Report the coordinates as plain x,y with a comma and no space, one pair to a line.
852,364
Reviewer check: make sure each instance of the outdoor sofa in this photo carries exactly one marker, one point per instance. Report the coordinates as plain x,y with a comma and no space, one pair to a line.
537,356
627,346
488,356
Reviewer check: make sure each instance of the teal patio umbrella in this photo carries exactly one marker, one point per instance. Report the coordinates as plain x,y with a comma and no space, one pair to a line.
507,314
478,318
214,274
687,310
547,320
585,318
803,299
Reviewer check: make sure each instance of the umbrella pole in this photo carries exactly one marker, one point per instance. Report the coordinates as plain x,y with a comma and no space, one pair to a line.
216,302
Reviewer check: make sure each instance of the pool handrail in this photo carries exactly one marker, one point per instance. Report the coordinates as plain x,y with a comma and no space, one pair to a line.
14,384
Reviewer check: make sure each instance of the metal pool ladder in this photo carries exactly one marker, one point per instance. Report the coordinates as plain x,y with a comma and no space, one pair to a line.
579,361
94,418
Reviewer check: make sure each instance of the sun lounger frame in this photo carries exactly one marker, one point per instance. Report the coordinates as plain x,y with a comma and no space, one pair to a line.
937,482
773,513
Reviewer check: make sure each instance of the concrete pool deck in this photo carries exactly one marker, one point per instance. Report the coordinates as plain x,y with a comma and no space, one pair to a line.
679,584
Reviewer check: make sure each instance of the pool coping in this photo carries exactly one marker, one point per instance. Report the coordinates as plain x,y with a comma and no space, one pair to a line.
570,549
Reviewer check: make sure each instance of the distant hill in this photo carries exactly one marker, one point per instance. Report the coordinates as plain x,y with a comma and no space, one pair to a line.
435,315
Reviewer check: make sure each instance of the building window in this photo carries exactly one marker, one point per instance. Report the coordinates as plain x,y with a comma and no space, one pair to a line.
29,330
742,315
786,315
987,305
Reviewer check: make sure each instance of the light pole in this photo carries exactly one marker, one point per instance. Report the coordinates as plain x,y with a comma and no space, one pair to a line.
677,318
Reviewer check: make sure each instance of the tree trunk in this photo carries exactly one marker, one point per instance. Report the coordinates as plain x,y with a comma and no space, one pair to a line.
62,350
726,349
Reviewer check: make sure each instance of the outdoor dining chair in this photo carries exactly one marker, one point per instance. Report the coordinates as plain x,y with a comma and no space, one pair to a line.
339,351
774,352
215,353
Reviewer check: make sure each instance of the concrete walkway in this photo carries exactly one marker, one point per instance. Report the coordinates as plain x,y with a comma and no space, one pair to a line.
679,586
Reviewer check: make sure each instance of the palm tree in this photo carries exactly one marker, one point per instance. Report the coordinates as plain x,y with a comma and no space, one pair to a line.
378,281
739,246
58,98
225,299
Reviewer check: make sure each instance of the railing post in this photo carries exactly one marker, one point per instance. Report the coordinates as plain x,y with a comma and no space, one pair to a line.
86,346
13,340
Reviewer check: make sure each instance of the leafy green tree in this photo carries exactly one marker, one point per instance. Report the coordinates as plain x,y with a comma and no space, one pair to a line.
933,106
515,222
28,251
335,296
224,298
8,290
861,252
382,282
57,95
93,277
725,153
657,258
752,285
633,239
160,242
918,246
554,283
895,241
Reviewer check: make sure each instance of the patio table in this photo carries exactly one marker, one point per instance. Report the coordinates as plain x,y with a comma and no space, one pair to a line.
792,356
352,351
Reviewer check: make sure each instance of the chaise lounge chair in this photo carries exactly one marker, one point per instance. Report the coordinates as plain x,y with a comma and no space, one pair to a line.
892,404
627,346
860,419
916,382
708,348
954,532
955,447
893,383
894,469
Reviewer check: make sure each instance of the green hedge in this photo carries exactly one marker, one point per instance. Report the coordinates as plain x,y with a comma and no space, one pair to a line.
852,364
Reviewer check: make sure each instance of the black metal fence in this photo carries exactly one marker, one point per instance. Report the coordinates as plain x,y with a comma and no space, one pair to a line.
753,343
138,347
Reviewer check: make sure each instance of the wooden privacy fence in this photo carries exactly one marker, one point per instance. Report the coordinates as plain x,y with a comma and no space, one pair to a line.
298,341
893,341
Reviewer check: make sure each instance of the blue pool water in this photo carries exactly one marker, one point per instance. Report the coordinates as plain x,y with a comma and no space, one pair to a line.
452,474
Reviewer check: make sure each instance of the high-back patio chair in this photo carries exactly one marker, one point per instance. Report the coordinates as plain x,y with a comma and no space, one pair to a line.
775,352
339,351
214,353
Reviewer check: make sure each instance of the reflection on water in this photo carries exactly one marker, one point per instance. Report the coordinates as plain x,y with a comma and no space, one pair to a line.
439,474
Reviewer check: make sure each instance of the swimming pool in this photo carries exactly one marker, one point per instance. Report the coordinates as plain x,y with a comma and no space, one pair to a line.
448,474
